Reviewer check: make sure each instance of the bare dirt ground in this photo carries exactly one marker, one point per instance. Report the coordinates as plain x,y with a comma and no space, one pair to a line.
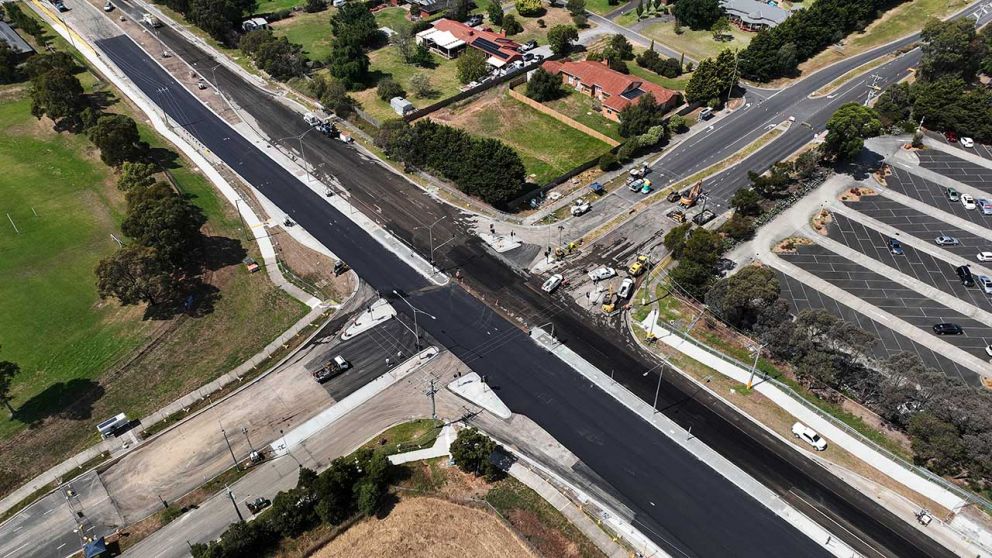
422,526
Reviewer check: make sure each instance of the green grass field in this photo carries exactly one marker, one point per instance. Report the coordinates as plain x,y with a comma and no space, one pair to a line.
269,6
695,44
677,84
579,107
387,62
395,19
547,147
311,31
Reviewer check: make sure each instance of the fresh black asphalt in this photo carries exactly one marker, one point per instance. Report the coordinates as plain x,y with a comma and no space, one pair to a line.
684,505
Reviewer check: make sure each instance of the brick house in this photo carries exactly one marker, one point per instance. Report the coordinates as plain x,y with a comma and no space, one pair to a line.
449,38
616,91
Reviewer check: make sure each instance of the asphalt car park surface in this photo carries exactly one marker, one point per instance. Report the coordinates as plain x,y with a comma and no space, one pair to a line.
915,263
803,297
887,295
922,226
367,354
979,149
933,194
963,171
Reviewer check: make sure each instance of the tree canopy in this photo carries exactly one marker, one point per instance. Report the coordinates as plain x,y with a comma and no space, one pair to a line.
712,80
544,86
637,118
950,48
697,14
561,37
848,128
471,66
117,138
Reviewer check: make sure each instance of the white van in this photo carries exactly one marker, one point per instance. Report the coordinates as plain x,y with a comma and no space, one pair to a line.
706,113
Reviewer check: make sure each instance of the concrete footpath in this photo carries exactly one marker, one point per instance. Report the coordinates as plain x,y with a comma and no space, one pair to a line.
704,453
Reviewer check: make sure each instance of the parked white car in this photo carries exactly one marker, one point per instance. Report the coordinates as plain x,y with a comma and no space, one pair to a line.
968,202
967,142
986,282
552,283
808,435
626,288
985,256
580,207
602,273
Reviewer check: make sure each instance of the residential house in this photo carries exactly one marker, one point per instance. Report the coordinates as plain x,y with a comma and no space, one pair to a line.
14,41
753,15
616,91
449,38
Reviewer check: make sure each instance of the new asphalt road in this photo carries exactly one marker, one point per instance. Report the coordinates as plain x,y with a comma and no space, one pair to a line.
682,504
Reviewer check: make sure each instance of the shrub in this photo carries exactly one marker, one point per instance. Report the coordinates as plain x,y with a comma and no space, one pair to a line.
388,88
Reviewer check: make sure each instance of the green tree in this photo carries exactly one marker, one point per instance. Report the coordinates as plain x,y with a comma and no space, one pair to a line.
677,124
471,66
118,139
314,6
720,28
281,59
848,128
495,13
738,227
354,24
773,183
697,14
675,239
388,88
335,489
58,95
895,104
170,226
637,118
746,202
712,80
703,246
348,63
561,37
742,297
529,8
693,277
421,85
250,42
950,48
136,175
333,95
8,370
621,46
8,64
292,513
576,7
936,444
457,10
608,162
219,17
544,86
133,275
511,26
473,452
640,8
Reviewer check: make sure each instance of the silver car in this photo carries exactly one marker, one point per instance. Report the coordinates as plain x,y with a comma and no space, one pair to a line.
944,240
602,273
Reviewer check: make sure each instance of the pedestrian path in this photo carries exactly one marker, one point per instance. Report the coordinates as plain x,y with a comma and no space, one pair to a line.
471,387
440,448
377,312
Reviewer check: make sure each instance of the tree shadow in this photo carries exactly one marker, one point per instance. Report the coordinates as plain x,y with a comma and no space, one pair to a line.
102,100
165,158
197,299
221,251
389,501
862,166
72,400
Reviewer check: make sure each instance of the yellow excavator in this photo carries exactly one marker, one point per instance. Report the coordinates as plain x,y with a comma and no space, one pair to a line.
610,302
689,198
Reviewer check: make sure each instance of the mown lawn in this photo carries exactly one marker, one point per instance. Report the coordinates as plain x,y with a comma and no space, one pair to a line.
269,6
695,44
533,31
547,147
388,62
677,84
579,107
395,19
311,31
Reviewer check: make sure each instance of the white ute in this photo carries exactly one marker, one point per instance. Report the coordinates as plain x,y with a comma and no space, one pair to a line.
809,436
552,283
580,207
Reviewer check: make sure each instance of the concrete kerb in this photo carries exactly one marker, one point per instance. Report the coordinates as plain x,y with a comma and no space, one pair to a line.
801,412
676,433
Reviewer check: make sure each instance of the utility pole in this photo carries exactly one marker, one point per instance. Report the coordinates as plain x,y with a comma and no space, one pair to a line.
658,389
757,353
250,447
430,393
733,79
234,503
230,449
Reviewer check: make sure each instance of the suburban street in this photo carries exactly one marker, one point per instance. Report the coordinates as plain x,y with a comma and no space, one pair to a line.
686,508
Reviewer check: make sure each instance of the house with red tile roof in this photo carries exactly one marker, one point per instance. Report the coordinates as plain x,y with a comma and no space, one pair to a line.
616,91
449,38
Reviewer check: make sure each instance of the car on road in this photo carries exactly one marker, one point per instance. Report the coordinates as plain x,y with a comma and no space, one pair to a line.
945,328
602,273
639,265
951,137
108,7
968,202
580,207
964,274
336,366
808,435
257,505
952,195
552,283
626,288
985,205
986,282
944,240
895,247
967,142
985,256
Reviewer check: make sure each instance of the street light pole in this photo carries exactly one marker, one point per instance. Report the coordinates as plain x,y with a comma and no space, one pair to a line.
415,311
757,354
233,458
250,447
234,503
